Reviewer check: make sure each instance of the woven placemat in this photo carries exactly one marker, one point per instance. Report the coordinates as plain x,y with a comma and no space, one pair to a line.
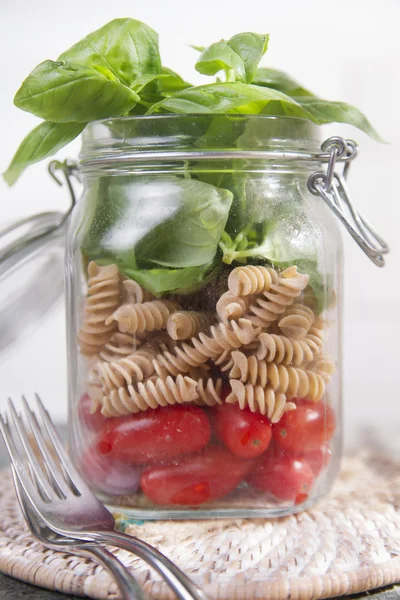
348,543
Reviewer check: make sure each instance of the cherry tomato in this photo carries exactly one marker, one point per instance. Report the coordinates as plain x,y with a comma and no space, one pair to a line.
306,428
92,421
318,459
108,475
246,434
286,477
196,479
155,435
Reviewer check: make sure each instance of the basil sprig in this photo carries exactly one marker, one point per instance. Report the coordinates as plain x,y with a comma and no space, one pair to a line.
117,71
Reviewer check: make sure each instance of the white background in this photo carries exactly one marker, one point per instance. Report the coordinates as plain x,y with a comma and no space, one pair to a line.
344,50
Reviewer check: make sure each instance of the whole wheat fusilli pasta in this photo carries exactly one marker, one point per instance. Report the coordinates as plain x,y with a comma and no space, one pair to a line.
184,324
138,318
150,394
291,381
119,346
280,349
103,297
244,281
135,367
230,307
297,321
204,347
263,400
133,293
323,365
280,295
209,392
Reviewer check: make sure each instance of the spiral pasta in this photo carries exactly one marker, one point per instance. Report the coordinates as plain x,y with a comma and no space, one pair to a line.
183,325
133,293
135,367
290,283
280,349
296,321
150,394
291,381
204,347
209,392
103,298
263,400
119,346
323,365
230,307
243,281
138,318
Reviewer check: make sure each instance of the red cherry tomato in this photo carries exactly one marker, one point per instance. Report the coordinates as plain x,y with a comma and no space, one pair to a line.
246,434
306,428
195,479
286,477
92,421
155,435
318,459
108,475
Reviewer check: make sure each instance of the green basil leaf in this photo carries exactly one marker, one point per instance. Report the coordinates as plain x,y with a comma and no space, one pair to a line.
241,53
251,47
179,281
126,47
171,83
190,236
218,57
235,97
43,141
278,80
64,92
142,82
324,111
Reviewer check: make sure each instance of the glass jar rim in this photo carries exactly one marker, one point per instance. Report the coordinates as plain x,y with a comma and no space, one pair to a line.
230,135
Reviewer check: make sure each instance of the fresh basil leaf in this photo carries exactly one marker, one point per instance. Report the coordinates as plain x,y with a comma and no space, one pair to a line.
126,47
251,47
168,221
43,141
189,238
142,82
64,92
179,281
324,111
156,89
171,83
240,98
278,80
218,57
241,53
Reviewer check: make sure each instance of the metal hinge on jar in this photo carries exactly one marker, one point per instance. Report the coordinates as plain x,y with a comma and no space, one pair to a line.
332,188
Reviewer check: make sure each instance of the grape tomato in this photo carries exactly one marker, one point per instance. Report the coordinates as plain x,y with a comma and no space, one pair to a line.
155,435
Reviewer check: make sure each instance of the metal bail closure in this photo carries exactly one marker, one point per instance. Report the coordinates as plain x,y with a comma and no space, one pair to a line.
332,188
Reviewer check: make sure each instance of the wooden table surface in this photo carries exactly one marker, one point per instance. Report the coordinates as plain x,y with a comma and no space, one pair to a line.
12,589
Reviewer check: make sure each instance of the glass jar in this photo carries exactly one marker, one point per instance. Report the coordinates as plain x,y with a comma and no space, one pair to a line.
204,292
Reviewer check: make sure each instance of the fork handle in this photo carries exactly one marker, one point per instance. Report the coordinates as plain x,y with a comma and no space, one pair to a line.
180,583
126,582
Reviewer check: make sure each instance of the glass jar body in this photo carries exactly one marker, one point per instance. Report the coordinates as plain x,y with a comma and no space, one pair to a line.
204,311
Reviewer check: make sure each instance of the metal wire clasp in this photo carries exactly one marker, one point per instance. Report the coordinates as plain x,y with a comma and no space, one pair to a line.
332,188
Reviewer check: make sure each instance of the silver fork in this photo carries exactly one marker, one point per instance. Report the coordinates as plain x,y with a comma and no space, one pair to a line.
66,504
127,583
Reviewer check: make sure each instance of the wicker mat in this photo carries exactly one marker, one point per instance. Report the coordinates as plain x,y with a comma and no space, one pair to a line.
348,543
